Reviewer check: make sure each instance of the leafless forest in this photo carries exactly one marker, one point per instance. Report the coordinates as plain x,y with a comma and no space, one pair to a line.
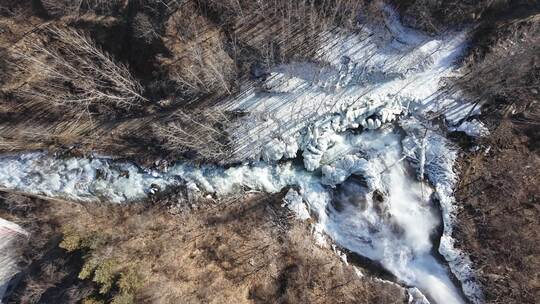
139,79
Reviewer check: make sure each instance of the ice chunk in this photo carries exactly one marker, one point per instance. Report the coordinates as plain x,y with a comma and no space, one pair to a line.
291,147
295,203
416,296
338,172
274,150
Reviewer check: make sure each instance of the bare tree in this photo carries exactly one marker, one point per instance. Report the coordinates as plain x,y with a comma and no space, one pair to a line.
75,7
509,70
208,69
143,28
202,132
70,70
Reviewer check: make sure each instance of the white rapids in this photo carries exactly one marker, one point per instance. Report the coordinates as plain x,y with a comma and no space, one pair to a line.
376,173
384,213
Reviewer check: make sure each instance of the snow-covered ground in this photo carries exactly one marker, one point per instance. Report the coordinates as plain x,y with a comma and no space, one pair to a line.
9,235
371,189
385,212
366,78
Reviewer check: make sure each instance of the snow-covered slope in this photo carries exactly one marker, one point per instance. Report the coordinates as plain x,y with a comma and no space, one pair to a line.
9,235
366,78
373,162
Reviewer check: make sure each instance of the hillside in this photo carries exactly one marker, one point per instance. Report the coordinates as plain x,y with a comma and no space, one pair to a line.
248,151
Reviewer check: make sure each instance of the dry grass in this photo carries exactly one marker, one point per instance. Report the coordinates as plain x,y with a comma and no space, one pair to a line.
13,8
437,16
499,223
499,189
58,8
244,250
143,28
510,70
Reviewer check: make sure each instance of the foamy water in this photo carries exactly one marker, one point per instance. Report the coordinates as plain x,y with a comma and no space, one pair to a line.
370,191
387,217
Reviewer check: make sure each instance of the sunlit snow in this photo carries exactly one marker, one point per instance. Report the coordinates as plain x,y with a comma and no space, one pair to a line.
10,233
374,165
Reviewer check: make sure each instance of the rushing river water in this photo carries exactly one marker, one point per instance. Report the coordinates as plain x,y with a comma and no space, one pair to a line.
377,175
369,202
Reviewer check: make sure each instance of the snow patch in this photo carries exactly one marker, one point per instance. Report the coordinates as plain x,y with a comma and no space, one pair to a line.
295,203
9,234
368,79
473,128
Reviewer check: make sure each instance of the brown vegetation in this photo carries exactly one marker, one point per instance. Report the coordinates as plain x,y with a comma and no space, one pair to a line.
89,75
437,16
70,71
143,28
58,8
202,132
499,187
509,70
200,64
499,223
243,250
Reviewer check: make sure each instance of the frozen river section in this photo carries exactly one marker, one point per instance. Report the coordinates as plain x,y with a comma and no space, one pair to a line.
372,201
376,173
364,79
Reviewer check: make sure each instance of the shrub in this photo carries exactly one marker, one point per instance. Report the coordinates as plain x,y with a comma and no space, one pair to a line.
88,269
130,281
143,28
71,240
105,275
123,298
91,300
